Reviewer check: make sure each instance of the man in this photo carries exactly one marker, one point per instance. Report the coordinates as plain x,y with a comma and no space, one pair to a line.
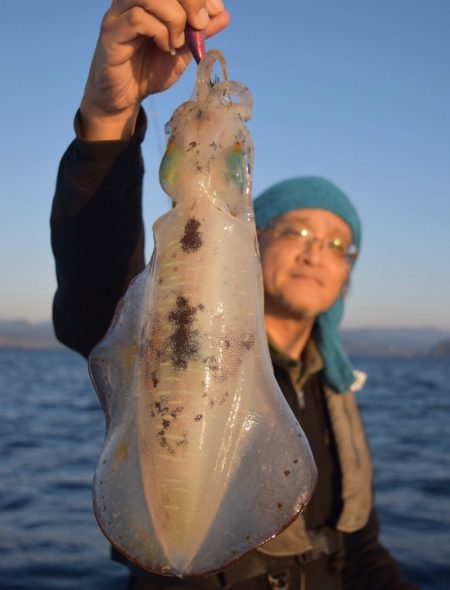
309,238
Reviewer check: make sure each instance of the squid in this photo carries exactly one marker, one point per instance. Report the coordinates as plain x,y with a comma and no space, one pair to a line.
203,459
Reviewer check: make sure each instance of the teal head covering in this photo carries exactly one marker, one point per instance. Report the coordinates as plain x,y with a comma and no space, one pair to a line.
313,192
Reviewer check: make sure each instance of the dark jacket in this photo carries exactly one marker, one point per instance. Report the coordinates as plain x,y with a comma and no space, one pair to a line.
98,243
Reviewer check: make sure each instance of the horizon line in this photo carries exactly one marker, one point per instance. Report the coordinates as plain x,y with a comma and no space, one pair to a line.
342,327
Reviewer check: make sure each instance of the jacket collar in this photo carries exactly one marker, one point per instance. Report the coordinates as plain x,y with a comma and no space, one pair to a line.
300,370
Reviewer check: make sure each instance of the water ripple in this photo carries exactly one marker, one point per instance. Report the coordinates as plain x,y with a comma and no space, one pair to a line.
52,431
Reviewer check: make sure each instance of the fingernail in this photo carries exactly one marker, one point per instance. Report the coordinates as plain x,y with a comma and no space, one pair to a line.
172,52
202,18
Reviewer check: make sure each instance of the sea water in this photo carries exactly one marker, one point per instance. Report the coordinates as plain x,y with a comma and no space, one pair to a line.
51,433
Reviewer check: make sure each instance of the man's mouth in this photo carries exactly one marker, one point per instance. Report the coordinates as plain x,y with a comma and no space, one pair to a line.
306,277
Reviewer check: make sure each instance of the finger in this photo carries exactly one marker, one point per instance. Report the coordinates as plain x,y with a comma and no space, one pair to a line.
168,12
214,7
200,12
197,13
134,23
218,23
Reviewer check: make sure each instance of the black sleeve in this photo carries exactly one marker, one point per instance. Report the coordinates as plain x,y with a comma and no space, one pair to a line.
369,566
97,234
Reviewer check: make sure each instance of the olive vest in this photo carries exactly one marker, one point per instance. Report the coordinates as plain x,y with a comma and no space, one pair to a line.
356,468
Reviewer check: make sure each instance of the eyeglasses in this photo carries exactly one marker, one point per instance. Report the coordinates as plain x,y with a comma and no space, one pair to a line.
305,238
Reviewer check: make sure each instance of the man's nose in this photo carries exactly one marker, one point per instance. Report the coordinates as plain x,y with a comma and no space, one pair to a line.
312,251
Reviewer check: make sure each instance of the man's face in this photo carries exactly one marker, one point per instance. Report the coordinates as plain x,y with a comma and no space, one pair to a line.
304,271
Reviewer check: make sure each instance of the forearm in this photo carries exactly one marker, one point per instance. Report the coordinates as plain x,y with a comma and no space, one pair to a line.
97,235
369,566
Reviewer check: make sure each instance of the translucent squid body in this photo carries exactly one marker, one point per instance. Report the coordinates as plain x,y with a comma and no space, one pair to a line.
203,459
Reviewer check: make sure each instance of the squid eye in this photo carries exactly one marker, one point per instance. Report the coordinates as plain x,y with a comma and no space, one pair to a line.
169,163
235,161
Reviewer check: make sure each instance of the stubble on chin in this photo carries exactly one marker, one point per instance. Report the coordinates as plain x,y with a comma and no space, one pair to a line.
283,307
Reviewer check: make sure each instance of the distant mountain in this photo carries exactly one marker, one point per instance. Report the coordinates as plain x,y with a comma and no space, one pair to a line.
377,342
24,334
441,350
396,342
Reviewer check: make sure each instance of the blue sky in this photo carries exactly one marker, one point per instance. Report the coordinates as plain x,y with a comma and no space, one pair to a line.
355,91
